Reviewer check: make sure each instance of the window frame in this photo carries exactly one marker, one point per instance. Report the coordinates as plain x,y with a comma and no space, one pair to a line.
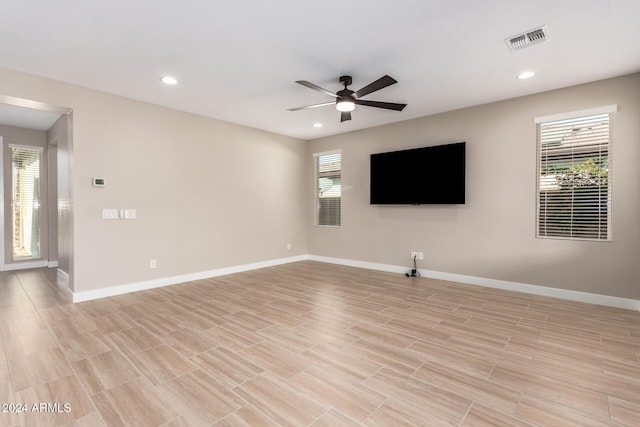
41,193
316,177
543,162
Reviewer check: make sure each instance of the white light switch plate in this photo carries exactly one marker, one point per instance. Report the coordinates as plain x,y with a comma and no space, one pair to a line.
130,214
109,213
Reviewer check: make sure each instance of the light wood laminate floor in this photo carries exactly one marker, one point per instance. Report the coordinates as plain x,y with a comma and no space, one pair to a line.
312,344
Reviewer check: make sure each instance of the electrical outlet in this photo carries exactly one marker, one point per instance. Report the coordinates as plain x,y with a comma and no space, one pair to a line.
421,256
153,263
288,246
417,255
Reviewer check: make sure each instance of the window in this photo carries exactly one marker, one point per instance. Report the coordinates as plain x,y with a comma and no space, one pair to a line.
25,202
574,175
328,185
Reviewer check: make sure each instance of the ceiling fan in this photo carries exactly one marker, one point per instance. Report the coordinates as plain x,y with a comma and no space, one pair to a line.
346,99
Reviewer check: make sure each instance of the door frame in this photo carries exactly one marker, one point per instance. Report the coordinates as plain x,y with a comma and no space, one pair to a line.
8,266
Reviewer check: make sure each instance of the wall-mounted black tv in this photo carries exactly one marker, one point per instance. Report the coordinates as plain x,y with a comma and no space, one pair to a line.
420,176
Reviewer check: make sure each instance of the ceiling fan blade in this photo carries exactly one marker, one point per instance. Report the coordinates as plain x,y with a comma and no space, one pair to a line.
316,87
324,104
344,116
381,83
378,104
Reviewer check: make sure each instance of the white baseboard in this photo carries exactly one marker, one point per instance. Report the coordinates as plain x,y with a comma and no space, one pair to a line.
605,300
166,281
25,265
62,283
62,279
609,301
360,264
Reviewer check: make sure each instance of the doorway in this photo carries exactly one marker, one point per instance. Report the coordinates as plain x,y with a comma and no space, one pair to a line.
30,135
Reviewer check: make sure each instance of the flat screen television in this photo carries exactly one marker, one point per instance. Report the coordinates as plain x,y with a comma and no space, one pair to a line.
420,176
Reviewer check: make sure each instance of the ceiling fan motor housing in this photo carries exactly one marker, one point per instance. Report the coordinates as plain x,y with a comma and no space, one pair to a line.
345,94
345,80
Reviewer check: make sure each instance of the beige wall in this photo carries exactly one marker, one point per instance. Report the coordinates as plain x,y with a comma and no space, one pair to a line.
493,235
208,194
34,138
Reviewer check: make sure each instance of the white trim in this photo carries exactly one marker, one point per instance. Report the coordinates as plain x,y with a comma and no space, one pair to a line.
573,114
166,281
606,300
360,264
27,103
327,153
52,264
62,276
62,283
25,265
27,147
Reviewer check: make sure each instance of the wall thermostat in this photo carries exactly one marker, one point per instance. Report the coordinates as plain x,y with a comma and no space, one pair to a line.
97,182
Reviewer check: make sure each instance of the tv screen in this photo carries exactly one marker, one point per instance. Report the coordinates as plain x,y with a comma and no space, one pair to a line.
421,176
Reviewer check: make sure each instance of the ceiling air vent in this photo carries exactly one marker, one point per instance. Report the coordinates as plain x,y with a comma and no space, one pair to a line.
528,38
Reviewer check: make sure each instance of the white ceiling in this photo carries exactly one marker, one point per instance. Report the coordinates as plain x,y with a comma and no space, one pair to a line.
238,60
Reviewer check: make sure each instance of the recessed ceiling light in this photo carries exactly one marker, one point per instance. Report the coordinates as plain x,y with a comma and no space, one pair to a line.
168,80
317,125
526,75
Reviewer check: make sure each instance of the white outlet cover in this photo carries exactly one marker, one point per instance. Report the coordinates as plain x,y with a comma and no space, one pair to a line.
130,214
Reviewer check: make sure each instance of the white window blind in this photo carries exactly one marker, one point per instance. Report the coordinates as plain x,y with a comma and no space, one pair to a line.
328,188
25,201
574,177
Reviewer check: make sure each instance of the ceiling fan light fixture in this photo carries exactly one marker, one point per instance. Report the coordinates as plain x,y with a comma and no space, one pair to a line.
345,106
